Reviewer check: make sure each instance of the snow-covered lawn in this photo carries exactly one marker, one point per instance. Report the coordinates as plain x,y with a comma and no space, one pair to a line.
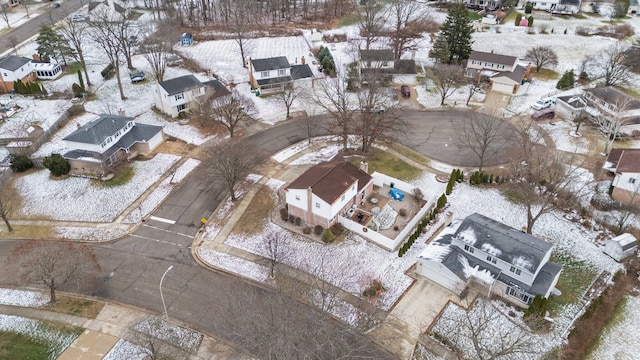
126,350
22,298
561,133
81,198
234,264
57,339
178,336
619,339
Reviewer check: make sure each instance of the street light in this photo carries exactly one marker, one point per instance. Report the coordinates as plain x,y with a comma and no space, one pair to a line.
161,296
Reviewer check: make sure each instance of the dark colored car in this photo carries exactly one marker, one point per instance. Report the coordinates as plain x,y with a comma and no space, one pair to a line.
55,5
405,91
543,114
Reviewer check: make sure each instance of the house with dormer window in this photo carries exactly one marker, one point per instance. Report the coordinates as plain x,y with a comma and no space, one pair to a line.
503,72
107,140
510,263
186,92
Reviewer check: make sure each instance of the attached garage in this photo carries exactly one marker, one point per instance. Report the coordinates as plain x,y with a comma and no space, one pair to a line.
440,274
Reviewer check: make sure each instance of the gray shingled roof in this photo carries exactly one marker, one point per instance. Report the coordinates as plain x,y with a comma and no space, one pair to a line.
614,96
99,129
273,63
218,89
376,55
301,71
13,63
492,58
180,84
278,80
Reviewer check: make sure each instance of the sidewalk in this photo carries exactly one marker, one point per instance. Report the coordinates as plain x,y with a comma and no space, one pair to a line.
103,332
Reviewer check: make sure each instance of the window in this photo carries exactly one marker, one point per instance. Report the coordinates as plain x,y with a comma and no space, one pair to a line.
179,96
500,66
182,107
494,260
632,180
282,72
488,257
343,197
264,74
512,269
318,205
103,144
5,74
297,197
468,248
385,63
109,139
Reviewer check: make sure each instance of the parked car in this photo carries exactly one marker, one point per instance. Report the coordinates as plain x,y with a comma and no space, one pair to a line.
543,103
405,90
55,5
79,17
543,114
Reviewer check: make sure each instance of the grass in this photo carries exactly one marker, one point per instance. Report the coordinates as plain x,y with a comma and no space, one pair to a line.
122,177
575,278
388,164
474,15
511,17
544,74
629,91
21,347
72,68
405,151
616,318
347,20
77,306
30,232
252,220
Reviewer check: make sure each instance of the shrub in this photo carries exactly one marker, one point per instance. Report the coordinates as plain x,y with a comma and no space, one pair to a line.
291,218
284,214
306,230
528,8
402,212
567,80
20,163
337,229
327,236
396,228
374,289
518,19
298,221
56,164
418,195
537,308
76,90
318,229
530,18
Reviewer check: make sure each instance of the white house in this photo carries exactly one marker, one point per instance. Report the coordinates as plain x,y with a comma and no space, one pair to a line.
609,102
14,68
625,165
326,191
502,71
566,7
108,139
375,60
512,264
621,247
270,74
186,92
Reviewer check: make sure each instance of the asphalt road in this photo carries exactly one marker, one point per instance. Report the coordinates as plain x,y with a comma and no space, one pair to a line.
31,28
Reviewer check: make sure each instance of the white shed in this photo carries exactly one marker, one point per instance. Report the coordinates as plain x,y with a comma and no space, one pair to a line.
621,247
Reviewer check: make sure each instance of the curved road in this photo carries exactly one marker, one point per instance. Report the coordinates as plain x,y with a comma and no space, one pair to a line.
132,266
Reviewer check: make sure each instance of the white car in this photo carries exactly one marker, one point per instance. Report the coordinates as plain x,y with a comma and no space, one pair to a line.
79,17
543,103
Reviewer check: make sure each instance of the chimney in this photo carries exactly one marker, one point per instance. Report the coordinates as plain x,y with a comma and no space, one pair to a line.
492,51
121,112
36,57
302,60
296,60
527,73
78,125
364,166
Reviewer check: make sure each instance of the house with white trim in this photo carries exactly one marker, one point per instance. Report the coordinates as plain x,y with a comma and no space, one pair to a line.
271,75
625,166
14,68
107,140
185,93
510,263
326,191
47,70
502,71
608,102
375,60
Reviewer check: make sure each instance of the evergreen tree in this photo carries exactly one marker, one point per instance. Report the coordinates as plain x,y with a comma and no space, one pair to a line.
52,45
518,19
567,80
440,50
456,31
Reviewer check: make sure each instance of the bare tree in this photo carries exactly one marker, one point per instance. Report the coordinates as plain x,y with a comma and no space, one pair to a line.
610,126
155,49
408,23
612,64
288,95
54,264
275,247
107,34
627,216
240,17
542,56
447,78
371,18
340,104
229,111
76,34
542,182
4,14
480,333
7,203
484,135
230,162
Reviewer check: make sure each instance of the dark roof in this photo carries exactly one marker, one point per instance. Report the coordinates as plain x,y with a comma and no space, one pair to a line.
218,89
138,133
574,101
329,180
613,96
377,55
278,80
99,129
493,58
119,8
570,2
180,84
625,160
79,154
273,63
516,75
301,71
94,4
13,63
399,67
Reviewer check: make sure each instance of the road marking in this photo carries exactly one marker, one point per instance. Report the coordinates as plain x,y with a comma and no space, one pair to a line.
167,231
162,220
160,241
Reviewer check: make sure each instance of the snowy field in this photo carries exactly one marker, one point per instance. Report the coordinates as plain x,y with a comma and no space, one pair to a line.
619,339
561,134
82,199
25,298
57,339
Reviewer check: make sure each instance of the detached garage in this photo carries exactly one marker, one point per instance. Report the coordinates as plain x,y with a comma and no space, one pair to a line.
621,247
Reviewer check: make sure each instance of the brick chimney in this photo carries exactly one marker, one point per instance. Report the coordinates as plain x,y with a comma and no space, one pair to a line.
364,166
302,60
